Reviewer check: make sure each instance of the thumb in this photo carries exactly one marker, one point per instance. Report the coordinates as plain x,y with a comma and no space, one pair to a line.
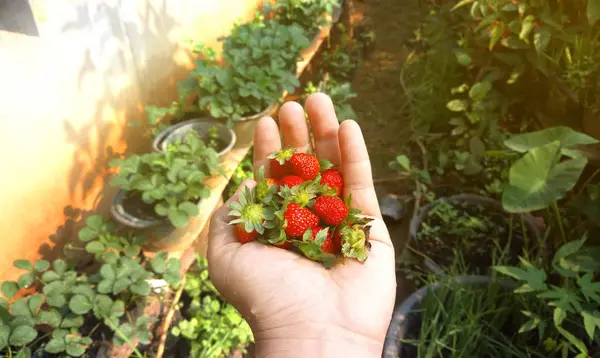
221,233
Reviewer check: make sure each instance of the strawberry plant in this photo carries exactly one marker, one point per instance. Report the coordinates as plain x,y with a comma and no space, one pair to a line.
213,326
168,184
309,14
72,308
303,212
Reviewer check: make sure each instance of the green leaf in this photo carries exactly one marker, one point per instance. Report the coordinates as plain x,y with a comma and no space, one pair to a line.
25,352
26,280
178,218
41,265
50,276
593,11
55,346
591,321
457,105
559,316
495,34
132,250
105,286
20,308
72,321
102,306
56,299
23,264
526,27
9,289
95,247
75,349
35,302
568,249
535,279
4,335
60,266
462,57
121,285
541,39
80,304
480,90
141,288
564,135
403,161
159,263
538,179
462,3
108,272
85,290
189,208
87,234
573,340
22,335
51,317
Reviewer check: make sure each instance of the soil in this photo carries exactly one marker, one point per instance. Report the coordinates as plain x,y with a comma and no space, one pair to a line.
134,205
482,230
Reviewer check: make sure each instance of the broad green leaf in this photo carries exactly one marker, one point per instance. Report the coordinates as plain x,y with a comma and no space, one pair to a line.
56,299
9,289
127,330
526,27
87,234
102,306
480,90
590,289
141,288
41,265
593,11
4,335
50,276
189,208
538,179
75,349
105,286
118,309
495,34
573,340
23,264
463,57
51,317
178,218
85,290
535,278
568,249
559,316
132,250
121,285
26,280
159,263
591,320
35,302
25,352
564,135
20,308
72,321
457,105
108,272
95,247
80,304
22,335
55,346
60,266
529,325
95,222
541,39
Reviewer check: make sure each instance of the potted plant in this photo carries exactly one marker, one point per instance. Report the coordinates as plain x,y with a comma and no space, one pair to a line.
311,15
160,191
68,313
213,326
259,66
538,312
216,135
470,224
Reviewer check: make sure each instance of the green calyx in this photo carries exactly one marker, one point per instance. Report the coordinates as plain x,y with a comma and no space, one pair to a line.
355,241
283,155
251,213
264,192
312,248
302,195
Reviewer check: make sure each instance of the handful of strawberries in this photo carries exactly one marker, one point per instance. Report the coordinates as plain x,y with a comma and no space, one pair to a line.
300,208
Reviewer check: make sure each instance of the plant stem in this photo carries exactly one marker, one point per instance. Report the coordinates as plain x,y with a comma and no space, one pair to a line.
559,219
39,339
128,341
94,329
9,352
525,236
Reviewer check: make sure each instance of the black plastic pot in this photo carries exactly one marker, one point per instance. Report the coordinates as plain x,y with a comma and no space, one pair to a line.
486,202
267,112
159,233
406,319
202,126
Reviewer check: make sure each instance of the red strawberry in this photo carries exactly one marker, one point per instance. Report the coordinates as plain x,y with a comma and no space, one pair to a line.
272,181
337,239
333,178
331,209
327,246
242,235
304,165
286,245
290,181
298,220
279,163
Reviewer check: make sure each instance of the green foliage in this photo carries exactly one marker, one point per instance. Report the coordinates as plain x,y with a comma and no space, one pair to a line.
340,94
216,327
68,298
171,181
308,14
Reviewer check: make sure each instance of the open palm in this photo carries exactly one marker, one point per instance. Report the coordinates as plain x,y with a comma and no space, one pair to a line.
285,297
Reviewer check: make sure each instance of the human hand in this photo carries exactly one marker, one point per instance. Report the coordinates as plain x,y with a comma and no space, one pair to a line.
295,306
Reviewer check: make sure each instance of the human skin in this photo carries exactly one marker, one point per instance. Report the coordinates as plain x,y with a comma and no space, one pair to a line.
296,307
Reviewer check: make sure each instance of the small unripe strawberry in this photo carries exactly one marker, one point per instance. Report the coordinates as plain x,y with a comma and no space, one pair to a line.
333,178
327,246
298,220
305,165
290,181
330,209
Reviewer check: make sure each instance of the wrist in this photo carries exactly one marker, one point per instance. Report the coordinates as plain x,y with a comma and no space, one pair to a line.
315,340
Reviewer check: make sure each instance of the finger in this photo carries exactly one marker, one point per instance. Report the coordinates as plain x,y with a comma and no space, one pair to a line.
325,125
293,127
220,232
266,141
356,169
